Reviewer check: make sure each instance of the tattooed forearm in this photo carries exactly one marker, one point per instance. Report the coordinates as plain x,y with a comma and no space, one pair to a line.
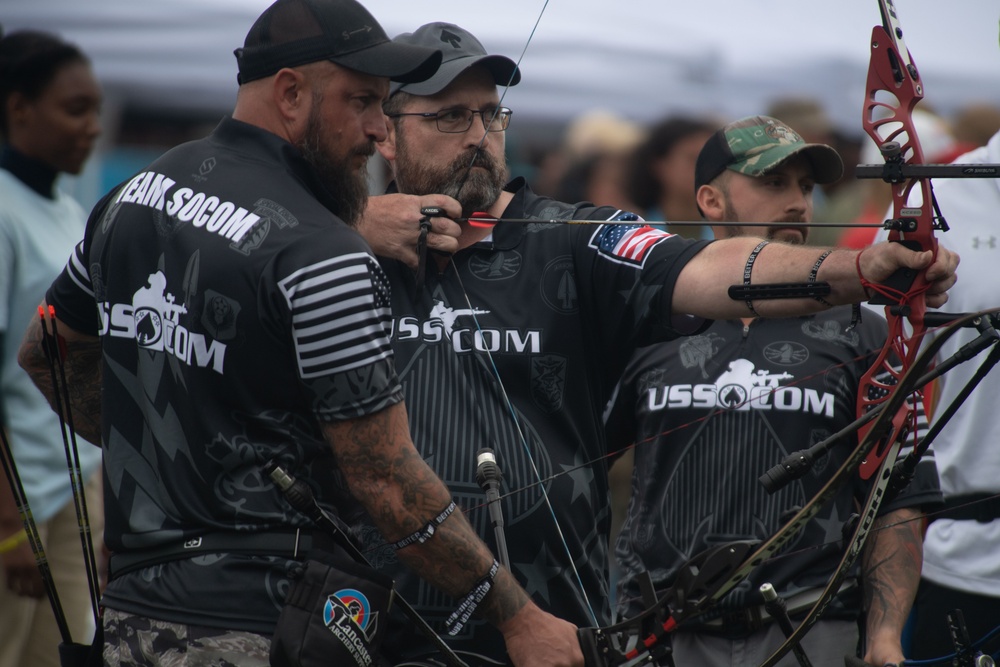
82,370
402,494
891,571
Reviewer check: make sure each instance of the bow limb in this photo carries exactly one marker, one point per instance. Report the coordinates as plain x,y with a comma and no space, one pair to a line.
914,377
707,578
894,88
713,574
716,573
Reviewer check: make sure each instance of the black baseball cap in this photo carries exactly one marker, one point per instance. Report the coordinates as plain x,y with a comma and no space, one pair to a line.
460,50
296,32
754,146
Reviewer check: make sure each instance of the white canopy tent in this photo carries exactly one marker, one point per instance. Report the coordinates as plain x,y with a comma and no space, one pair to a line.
640,58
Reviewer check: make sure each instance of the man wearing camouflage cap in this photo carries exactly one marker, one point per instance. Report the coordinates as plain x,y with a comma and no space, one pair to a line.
714,411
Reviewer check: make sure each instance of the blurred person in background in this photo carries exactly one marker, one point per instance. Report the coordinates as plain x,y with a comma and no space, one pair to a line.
974,125
596,149
661,173
50,104
961,567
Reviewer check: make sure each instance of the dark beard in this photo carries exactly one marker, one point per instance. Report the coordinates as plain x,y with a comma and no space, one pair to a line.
347,185
475,190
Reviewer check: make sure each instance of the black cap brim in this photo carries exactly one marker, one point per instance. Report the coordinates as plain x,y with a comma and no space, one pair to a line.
826,163
404,63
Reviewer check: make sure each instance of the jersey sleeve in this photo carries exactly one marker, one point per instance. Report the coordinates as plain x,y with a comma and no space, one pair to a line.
72,293
336,313
629,273
619,416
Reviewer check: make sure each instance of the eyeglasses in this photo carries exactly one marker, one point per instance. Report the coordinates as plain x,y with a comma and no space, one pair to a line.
456,121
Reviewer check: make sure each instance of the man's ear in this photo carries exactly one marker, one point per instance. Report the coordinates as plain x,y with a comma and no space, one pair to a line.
387,148
292,99
712,202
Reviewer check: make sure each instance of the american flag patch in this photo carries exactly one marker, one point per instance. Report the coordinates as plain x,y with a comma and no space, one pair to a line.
339,309
627,244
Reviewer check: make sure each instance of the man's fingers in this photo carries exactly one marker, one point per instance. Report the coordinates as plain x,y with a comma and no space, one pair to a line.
446,206
443,244
944,266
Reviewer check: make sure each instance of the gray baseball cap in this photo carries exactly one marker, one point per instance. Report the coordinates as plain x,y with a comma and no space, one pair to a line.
460,50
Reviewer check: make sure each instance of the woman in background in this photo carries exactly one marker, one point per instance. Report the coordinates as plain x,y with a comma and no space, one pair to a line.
49,121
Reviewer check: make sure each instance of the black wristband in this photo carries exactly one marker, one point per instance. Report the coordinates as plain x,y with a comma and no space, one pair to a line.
748,269
815,271
427,532
467,607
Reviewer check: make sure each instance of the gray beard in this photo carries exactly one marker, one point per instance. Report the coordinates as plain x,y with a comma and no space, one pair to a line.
475,190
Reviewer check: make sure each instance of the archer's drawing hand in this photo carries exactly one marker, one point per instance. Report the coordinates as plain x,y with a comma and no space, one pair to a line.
391,225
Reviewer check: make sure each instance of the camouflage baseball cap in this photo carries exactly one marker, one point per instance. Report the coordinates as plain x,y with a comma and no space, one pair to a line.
754,146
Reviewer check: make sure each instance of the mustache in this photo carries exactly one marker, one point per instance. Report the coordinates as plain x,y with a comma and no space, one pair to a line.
366,149
792,219
473,158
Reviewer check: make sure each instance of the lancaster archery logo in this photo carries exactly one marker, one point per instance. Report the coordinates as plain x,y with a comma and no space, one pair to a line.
786,353
349,616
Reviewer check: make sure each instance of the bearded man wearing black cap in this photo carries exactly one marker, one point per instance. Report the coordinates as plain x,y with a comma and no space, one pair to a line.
238,321
712,412
516,340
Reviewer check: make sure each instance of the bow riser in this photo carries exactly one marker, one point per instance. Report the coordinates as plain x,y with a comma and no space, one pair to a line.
894,89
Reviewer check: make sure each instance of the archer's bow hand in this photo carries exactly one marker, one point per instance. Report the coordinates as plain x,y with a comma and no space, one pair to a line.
537,638
391,225
878,262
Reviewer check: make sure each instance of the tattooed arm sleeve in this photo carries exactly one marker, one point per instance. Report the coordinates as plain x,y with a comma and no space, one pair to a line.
82,367
401,493
890,575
